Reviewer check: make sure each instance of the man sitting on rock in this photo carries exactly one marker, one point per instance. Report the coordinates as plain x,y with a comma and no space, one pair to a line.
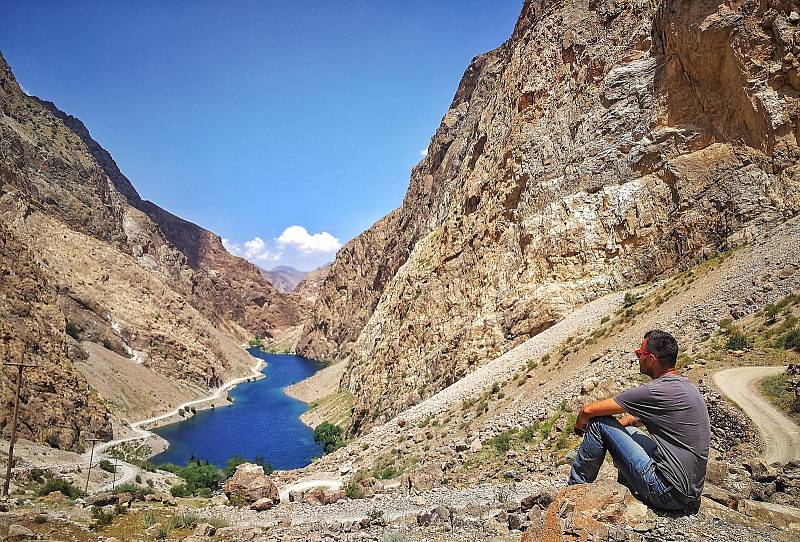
665,470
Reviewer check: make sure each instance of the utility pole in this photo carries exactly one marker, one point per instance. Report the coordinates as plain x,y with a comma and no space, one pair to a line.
21,366
91,457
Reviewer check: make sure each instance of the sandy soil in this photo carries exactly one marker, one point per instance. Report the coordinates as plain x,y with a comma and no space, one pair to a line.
319,385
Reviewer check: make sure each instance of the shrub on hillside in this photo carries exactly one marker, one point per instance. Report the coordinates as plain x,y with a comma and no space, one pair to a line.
200,478
353,490
329,436
107,466
791,339
738,341
629,300
134,489
59,484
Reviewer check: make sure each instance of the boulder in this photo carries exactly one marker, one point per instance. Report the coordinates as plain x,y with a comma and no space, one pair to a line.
589,511
315,497
19,532
760,471
102,499
263,504
249,484
371,486
334,496
779,515
219,500
204,530
56,496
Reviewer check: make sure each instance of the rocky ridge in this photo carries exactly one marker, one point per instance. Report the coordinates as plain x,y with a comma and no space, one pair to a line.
673,134
88,261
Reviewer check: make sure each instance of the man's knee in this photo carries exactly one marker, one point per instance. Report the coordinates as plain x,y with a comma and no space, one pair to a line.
597,423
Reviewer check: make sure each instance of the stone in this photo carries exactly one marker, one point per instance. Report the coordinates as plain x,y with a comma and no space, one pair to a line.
56,496
19,532
717,494
102,499
204,530
476,446
585,510
515,522
371,486
760,471
262,504
779,515
219,500
249,484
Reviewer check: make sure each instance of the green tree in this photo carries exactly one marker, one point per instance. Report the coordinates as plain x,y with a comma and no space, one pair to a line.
329,436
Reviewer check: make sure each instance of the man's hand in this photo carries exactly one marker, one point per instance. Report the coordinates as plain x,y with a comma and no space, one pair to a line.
607,407
580,423
627,421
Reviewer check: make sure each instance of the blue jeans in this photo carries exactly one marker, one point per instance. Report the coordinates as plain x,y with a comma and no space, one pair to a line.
632,453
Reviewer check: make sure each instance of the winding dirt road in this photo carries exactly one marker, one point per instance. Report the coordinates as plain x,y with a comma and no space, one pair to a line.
127,472
781,435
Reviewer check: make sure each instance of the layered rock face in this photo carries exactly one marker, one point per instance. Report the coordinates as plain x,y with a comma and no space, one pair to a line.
32,332
605,143
100,264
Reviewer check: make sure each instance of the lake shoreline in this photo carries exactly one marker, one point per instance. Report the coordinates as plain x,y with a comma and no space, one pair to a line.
143,429
267,421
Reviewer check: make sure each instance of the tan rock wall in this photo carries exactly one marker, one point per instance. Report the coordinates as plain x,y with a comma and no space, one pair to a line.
602,145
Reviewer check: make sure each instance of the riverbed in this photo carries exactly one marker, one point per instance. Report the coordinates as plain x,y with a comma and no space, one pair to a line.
261,421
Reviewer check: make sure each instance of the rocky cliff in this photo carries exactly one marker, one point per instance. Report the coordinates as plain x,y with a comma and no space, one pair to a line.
86,260
604,144
284,278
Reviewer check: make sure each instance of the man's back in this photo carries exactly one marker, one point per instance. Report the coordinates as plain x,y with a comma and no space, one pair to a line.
674,412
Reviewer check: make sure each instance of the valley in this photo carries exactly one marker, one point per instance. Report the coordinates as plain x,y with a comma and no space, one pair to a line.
611,168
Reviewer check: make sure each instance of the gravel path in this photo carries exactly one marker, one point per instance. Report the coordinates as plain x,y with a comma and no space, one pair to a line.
472,385
127,471
393,506
781,435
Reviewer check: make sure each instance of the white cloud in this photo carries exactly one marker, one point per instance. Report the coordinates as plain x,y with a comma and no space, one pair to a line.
299,238
255,250
233,248
424,152
295,247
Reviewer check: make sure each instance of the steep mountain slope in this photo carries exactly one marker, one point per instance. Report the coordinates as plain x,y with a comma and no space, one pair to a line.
93,262
229,289
310,286
284,278
603,144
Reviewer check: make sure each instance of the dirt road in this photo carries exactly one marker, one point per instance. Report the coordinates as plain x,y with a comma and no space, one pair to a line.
126,471
781,435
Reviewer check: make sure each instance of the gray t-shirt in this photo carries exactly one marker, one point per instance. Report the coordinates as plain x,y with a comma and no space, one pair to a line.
675,414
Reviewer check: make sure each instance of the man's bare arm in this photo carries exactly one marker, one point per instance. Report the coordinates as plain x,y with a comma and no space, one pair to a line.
606,407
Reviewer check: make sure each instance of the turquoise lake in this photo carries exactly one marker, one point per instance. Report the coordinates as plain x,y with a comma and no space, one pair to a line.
261,421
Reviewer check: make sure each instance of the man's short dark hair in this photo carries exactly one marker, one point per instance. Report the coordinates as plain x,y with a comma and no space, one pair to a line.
663,345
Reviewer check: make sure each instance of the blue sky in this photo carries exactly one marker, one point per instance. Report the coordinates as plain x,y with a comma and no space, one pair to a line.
286,127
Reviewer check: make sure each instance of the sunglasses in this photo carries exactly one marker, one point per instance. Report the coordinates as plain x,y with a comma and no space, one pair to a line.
641,353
